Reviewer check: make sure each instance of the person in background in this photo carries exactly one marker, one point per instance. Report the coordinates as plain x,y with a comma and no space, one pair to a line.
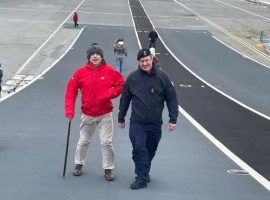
146,89
155,58
98,83
120,53
152,36
75,19
1,76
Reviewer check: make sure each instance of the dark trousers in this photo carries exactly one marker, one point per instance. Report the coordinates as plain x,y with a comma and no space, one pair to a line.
144,139
152,43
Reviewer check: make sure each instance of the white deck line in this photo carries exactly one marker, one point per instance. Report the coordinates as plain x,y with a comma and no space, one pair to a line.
225,31
263,181
49,38
45,71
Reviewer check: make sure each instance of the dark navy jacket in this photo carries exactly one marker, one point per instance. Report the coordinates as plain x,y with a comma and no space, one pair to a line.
147,93
153,36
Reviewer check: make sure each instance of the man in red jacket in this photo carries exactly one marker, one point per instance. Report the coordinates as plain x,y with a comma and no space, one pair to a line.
98,83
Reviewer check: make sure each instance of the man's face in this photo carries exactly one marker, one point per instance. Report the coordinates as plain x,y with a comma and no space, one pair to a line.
146,63
95,59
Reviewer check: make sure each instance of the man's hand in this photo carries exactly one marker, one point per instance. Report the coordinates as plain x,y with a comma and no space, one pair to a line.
122,125
171,127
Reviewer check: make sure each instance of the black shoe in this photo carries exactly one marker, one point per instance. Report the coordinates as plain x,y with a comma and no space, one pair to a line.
137,184
108,174
77,170
148,179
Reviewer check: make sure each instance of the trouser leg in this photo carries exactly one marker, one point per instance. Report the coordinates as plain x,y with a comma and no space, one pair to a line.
121,60
117,64
87,130
152,141
154,44
150,44
105,123
137,136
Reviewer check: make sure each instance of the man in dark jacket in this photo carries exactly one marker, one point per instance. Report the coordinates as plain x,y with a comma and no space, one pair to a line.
152,36
147,89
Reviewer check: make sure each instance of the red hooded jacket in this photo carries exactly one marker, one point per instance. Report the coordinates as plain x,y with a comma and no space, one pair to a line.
98,85
75,17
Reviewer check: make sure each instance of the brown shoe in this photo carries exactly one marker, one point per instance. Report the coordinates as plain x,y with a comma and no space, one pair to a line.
77,170
109,174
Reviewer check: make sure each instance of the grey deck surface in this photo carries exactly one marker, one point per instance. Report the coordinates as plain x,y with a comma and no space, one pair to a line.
228,71
33,141
243,132
33,134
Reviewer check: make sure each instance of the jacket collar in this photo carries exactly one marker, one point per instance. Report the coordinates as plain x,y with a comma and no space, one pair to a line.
90,66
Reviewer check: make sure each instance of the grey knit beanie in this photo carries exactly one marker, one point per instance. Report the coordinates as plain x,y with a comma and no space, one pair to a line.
95,49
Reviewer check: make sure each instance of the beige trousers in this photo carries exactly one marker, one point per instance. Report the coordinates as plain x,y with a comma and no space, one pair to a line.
87,130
